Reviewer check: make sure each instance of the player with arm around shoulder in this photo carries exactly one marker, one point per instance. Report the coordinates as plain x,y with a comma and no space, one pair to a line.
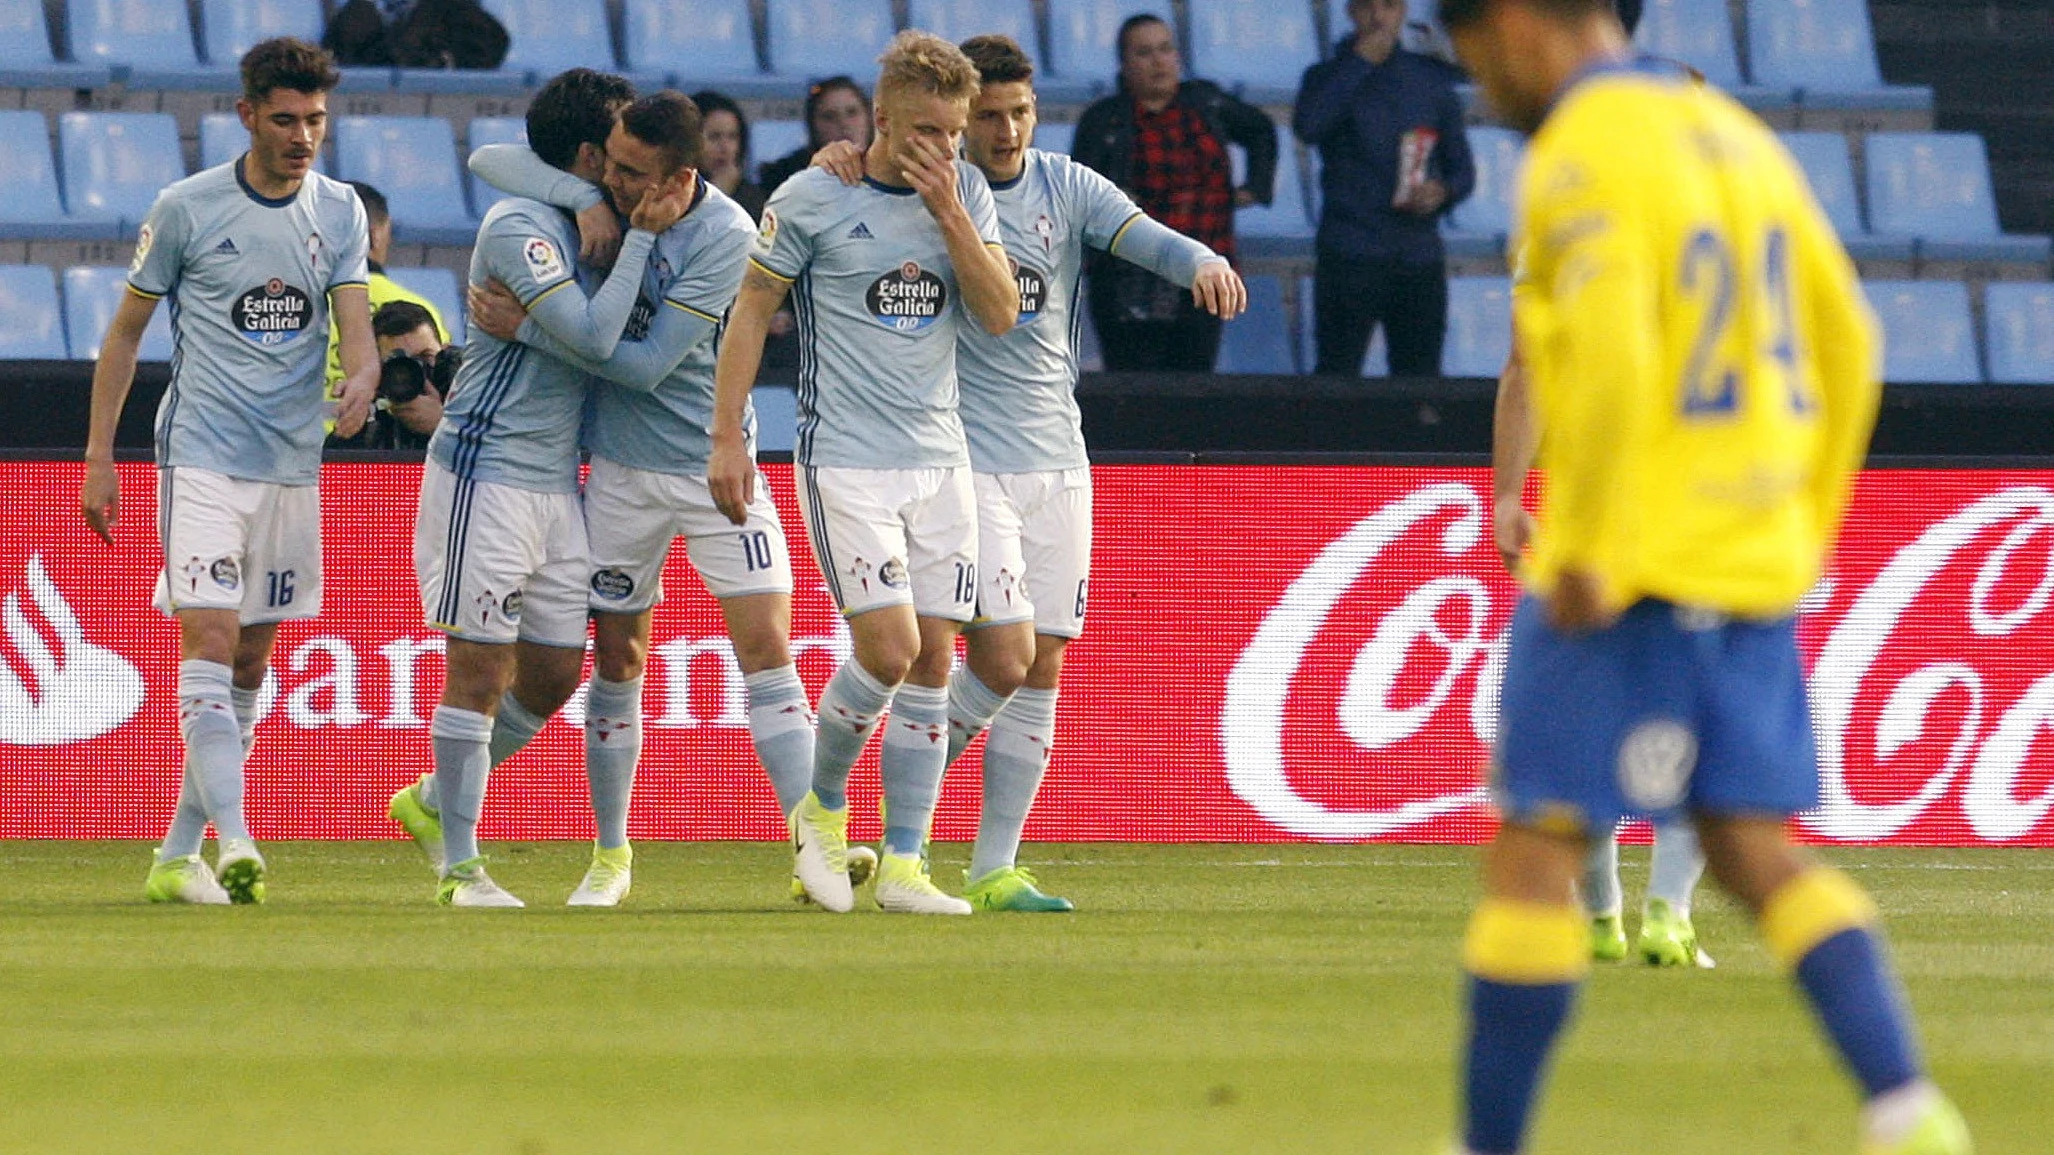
254,255
1703,374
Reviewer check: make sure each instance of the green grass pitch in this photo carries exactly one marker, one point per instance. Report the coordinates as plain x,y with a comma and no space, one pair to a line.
1203,999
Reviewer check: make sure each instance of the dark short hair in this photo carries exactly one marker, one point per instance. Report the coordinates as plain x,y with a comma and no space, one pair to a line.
398,318
1461,13
1129,25
670,122
821,90
999,60
374,202
287,62
710,102
575,107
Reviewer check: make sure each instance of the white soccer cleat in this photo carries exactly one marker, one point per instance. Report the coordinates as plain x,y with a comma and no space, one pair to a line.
240,870
466,884
184,879
903,887
608,879
820,859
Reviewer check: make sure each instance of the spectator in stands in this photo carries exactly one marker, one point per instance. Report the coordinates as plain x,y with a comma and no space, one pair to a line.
1394,158
383,288
724,151
1163,139
836,109
405,327
416,34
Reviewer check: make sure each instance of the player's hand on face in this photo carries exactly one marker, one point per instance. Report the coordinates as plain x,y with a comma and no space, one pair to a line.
598,235
731,478
932,172
353,406
1577,605
664,205
843,159
1511,530
1218,290
100,499
495,309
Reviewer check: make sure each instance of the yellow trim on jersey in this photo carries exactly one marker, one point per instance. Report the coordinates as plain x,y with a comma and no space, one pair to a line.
684,308
773,272
1113,245
1810,909
531,301
364,285
144,295
1527,943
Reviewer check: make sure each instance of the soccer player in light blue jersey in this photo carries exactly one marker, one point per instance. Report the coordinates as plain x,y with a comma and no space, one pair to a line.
884,275
253,256
1027,452
499,540
647,434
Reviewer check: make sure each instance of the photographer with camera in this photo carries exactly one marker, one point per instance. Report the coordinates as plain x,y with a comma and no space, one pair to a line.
414,376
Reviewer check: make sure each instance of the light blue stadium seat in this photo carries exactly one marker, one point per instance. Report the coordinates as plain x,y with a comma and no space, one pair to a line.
147,43
1927,335
26,60
958,20
229,28
115,163
1259,341
31,320
91,295
1477,227
549,36
815,39
1823,157
1479,326
1696,32
692,44
1258,46
413,161
492,130
1287,216
1935,186
1824,52
440,286
2018,326
33,208
1055,137
1081,55
777,417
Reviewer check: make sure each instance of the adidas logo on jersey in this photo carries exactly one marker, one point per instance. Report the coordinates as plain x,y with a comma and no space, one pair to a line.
861,232
227,245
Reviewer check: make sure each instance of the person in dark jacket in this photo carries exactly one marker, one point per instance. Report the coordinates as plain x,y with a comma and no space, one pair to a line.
1163,139
416,34
836,109
1393,159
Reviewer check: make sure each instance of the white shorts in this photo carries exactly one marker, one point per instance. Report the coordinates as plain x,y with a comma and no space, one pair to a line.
499,564
249,546
1034,546
632,516
894,537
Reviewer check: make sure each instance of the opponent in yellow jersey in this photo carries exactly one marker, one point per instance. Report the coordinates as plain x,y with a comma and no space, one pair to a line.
1703,378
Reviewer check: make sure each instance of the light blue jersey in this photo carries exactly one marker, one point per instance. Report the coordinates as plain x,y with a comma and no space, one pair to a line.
513,415
879,317
1019,401
248,279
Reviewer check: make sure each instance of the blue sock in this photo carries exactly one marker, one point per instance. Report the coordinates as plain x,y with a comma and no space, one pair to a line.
463,760
1015,759
850,708
1512,1029
915,754
1678,865
781,727
613,745
213,744
1851,989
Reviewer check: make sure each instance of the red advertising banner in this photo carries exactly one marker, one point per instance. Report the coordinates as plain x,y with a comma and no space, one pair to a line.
1273,654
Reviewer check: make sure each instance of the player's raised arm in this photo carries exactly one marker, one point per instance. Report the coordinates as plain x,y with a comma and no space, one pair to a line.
982,270
730,470
113,375
1840,335
530,266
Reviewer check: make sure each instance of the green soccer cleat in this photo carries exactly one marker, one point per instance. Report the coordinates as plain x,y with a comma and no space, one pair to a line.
422,824
184,879
904,887
1607,938
1667,939
1940,1131
608,879
241,871
1012,888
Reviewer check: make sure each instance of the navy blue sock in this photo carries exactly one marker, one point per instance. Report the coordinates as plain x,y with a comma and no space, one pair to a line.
1512,1029
1858,1002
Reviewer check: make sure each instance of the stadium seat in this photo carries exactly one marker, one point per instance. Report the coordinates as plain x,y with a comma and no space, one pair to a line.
229,28
1286,216
145,43
31,320
1479,326
1477,227
1259,47
491,130
1823,157
1081,53
1823,52
1927,335
413,161
115,163
1055,137
2018,325
777,417
1935,186
1259,341
439,285
814,39
958,20
691,44
91,294
549,36
32,208
1696,32
26,60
